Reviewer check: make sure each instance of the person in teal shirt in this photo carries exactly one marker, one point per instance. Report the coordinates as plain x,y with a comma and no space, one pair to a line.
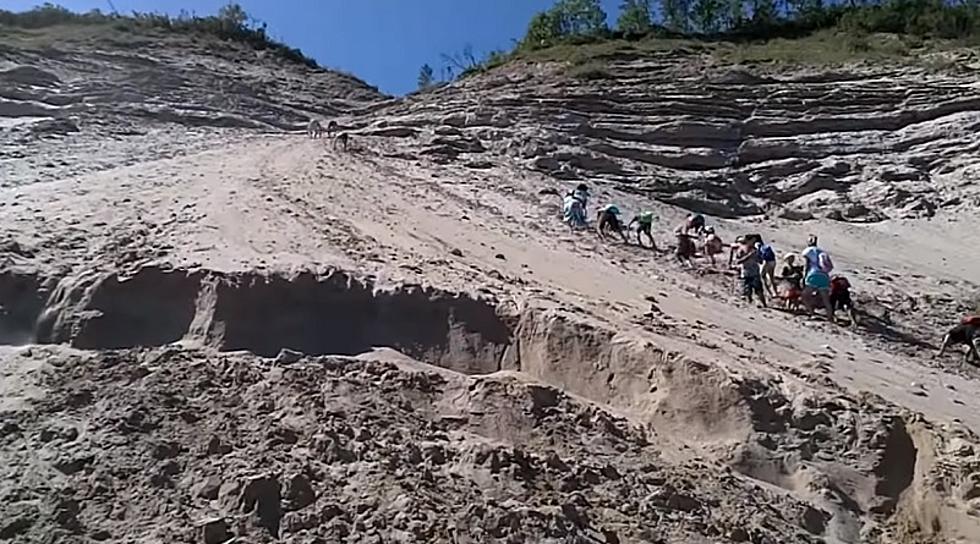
644,223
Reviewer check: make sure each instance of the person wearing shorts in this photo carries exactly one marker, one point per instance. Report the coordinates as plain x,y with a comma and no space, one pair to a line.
816,288
768,256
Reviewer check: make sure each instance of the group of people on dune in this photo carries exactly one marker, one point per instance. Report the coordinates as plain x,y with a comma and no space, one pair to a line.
804,278
798,279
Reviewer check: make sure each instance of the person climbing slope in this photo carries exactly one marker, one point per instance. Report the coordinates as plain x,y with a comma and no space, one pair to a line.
608,220
737,244
686,233
644,226
574,207
713,244
749,262
692,226
815,255
791,281
768,256
963,334
840,297
817,267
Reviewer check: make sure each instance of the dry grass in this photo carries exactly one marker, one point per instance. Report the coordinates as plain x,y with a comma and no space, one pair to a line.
590,60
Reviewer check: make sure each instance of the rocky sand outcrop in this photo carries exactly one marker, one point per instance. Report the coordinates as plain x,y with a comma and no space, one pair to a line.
855,143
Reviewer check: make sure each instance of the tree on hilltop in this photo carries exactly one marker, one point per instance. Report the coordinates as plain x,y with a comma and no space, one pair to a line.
233,16
426,77
580,17
634,17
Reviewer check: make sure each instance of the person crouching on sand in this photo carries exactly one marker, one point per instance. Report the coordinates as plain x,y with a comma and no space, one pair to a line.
712,244
608,220
574,206
644,226
840,297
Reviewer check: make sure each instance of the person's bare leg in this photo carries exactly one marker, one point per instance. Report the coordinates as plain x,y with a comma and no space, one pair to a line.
974,350
825,298
807,298
944,346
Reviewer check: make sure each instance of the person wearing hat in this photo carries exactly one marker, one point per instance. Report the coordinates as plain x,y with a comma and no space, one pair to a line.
609,220
790,280
791,273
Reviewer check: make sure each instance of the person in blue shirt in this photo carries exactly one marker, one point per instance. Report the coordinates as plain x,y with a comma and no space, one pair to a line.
768,256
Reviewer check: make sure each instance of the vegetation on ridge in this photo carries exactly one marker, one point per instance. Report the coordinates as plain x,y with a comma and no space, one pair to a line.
230,23
811,31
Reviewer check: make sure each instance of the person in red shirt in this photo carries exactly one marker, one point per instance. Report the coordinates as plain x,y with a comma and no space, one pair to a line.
840,297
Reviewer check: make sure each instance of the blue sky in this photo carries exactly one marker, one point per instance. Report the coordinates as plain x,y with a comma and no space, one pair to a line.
383,42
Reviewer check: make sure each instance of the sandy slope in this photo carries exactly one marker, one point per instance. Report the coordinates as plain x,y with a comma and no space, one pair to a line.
284,203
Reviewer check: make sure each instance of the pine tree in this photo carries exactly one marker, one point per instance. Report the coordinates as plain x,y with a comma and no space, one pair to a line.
634,17
233,16
542,31
426,77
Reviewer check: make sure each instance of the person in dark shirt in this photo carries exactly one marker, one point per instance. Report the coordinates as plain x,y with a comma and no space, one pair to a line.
963,334
790,273
749,261
608,220
840,297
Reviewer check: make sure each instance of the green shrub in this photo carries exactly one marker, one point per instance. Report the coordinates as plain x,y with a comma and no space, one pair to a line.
231,23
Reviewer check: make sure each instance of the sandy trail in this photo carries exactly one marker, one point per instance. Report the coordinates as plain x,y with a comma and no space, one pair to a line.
284,202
